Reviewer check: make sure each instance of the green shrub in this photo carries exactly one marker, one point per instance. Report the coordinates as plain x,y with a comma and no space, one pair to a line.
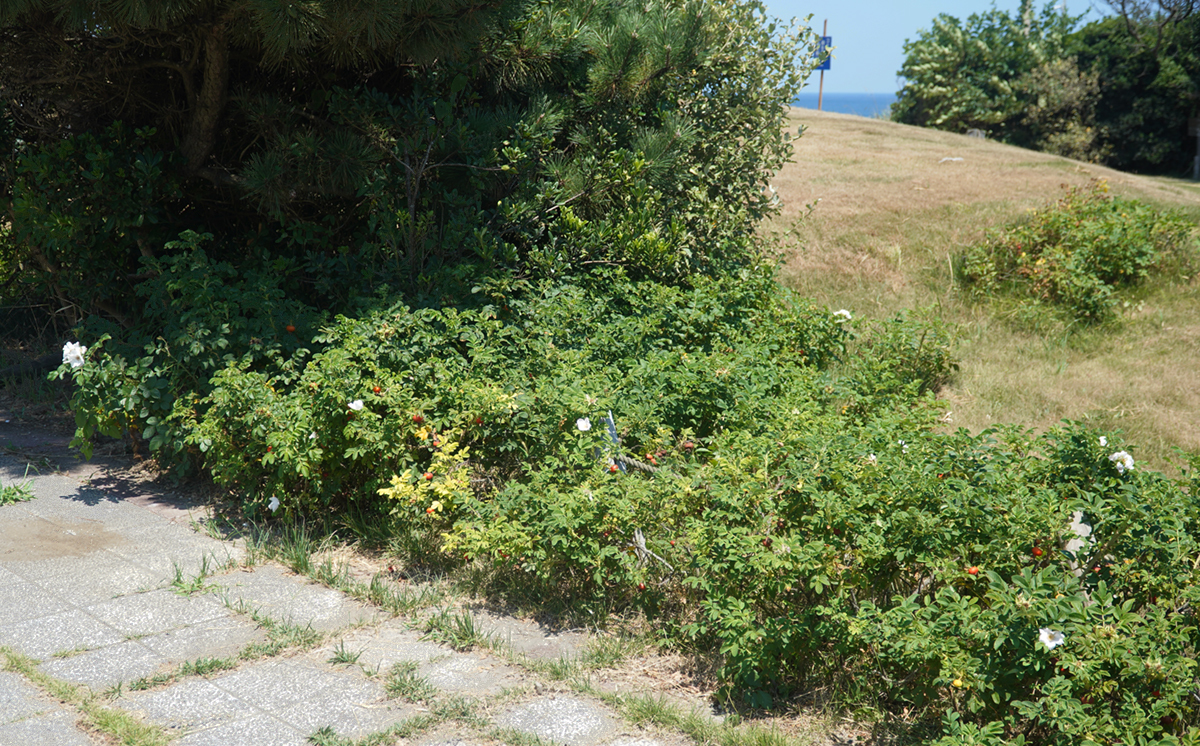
207,315
84,210
909,569
896,360
508,380
1078,253
793,511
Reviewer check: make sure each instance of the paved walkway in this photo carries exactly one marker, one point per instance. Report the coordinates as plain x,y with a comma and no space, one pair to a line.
104,586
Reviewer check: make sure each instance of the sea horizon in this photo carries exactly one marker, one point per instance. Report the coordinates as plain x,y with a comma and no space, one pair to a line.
872,105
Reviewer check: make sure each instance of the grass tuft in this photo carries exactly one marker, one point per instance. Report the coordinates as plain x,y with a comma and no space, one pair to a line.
342,656
117,725
404,683
457,631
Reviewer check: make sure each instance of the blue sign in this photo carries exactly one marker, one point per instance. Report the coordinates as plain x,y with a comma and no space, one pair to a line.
822,52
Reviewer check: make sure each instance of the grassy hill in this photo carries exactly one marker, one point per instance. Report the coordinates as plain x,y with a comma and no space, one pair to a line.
893,206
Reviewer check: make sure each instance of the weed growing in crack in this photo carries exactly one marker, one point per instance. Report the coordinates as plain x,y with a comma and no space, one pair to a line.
407,728
403,682
16,493
457,631
327,736
206,666
327,574
458,708
514,737
343,656
195,584
151,682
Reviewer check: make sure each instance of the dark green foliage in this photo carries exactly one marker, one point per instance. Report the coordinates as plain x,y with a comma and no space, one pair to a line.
85,209
372,146
205,316
968,75
1149,92
1118,91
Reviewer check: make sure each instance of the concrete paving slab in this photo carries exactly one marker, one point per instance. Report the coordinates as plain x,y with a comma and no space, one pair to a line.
32,542
296,694
346,716
65,631
163,548
531,638
222,637
382,647
24,600
276,684
106,666
59,497
19,700
157,611
158,499
284,596
560,719
256,730
102,577
479,675
57,728
189,705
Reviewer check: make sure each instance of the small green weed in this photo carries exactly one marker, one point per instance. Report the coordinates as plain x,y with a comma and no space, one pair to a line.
151,682
327,736
342,656
63,654
609,651
514,737
16,493
206,666
195,584
391,599
280,635
405,729
457,631
457,708
403,682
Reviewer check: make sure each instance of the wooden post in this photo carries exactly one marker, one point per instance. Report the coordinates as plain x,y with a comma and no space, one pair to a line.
821,86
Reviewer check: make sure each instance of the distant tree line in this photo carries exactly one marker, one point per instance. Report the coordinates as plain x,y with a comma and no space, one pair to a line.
1117,91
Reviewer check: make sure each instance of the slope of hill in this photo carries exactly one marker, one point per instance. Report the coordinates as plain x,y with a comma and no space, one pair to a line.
893,206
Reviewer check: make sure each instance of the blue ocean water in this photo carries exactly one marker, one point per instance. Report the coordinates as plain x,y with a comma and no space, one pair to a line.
861,104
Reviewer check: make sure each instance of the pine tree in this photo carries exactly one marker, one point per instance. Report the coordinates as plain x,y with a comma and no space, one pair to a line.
371,142
68,65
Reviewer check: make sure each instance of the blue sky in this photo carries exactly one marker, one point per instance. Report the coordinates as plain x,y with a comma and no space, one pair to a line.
869,34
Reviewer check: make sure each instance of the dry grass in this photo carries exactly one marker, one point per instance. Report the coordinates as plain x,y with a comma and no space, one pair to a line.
892,217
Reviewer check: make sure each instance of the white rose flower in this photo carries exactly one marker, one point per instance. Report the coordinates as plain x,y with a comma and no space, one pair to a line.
841,316
584,424
274,504
1050,638
356,405
73,353
1123,461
